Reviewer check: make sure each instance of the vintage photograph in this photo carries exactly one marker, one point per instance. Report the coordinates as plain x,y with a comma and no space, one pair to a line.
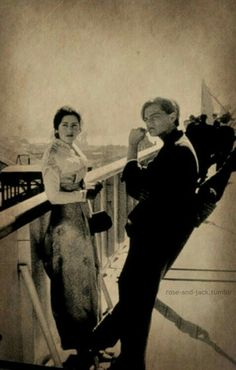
118,184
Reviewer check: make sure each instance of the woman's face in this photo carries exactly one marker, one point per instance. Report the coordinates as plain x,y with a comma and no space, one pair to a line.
159,123
69,129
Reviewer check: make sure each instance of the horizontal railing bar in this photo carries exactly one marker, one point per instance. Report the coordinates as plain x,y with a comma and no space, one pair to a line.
195,269
24,212
21,168
201,280
13,365
111,169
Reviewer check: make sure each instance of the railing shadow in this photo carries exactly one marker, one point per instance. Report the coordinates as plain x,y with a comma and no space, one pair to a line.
193,330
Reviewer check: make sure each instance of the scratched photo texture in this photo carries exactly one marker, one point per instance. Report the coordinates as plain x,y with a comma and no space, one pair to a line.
106,58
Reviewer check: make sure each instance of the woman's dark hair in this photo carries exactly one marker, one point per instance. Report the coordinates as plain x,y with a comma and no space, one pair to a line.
167,105
64,111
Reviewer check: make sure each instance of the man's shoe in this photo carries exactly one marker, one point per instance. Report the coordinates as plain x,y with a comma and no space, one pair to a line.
82,361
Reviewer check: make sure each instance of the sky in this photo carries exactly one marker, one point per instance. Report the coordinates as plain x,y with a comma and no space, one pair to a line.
105,58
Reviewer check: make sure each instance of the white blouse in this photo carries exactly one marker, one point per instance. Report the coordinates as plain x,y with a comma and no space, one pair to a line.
63,168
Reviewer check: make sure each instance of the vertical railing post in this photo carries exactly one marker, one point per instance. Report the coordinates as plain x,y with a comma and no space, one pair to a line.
29,283
103,248
11,346
115,209
122,211
27,316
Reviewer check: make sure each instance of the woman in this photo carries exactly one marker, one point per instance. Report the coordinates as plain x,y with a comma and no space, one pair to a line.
158,228
70,258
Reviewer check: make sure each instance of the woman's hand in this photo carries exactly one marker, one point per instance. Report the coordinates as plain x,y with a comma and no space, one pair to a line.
68,183
70,187
93,190
136,135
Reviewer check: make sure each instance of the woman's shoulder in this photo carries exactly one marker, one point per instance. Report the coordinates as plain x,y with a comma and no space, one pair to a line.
51,154
57,148
51,150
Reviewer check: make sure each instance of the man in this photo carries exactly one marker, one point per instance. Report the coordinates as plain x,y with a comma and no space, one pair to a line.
158,228
203,139
225,138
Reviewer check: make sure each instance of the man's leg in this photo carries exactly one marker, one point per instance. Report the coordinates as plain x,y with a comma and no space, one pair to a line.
138,286
107,332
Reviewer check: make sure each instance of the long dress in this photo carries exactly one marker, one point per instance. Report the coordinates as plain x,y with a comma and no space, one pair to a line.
69,255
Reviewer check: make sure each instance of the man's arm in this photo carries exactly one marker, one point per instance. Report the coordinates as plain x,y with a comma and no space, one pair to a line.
133,171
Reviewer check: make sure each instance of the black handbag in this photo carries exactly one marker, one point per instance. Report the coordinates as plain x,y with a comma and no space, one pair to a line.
99,221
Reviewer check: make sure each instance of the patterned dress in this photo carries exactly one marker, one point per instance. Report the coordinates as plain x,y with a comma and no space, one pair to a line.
70,258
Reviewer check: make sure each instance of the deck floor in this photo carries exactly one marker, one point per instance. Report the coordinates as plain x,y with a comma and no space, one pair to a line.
194,320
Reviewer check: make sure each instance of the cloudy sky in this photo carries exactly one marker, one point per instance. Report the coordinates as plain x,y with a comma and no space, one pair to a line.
107,57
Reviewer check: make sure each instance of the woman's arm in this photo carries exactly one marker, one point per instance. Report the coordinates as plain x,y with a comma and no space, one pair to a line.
51,181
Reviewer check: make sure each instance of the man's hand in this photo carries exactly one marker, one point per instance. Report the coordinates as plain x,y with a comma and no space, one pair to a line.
204,212
136,135
207,198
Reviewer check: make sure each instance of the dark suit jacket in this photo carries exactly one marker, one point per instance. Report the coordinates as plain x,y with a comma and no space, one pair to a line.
170,182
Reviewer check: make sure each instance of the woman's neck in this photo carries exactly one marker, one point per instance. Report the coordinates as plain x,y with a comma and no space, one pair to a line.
65,143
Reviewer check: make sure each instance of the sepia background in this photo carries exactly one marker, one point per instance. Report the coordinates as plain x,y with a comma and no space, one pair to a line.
106,58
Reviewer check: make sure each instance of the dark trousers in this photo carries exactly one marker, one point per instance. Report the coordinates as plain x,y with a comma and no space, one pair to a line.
150,256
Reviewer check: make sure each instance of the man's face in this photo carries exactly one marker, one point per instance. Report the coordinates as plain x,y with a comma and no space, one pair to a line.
159,123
